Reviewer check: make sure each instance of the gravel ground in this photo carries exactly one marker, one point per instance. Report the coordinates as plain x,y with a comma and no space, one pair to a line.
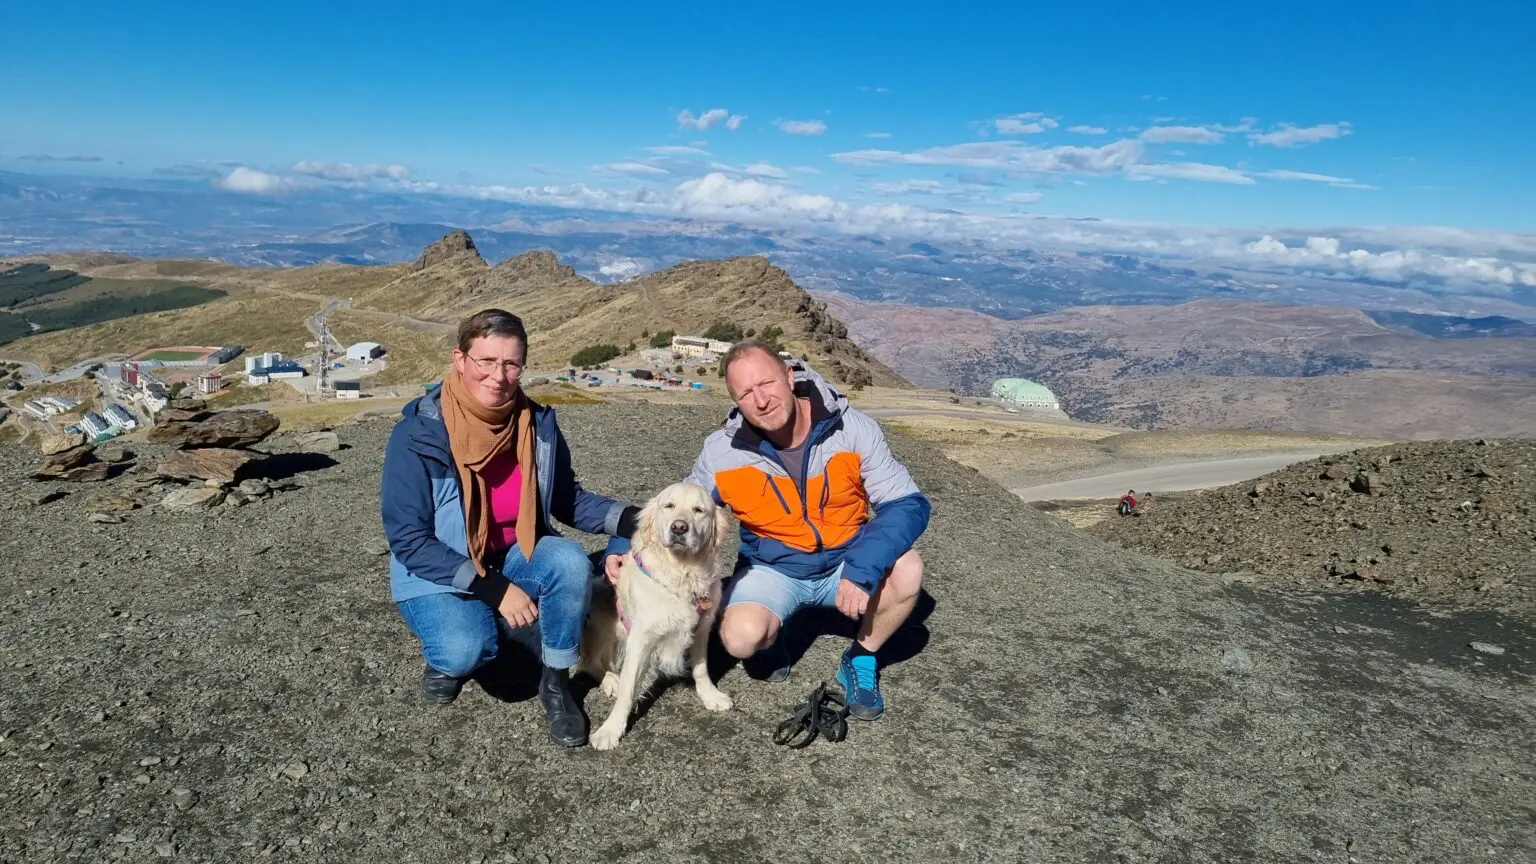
234,685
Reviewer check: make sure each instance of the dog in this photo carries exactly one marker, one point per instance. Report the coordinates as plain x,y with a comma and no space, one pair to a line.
657,620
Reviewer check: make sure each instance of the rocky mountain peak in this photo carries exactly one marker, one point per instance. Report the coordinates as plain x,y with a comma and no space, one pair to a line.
540,263
457,246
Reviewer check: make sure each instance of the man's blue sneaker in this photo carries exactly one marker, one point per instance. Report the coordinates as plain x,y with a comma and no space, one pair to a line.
771,663
860,680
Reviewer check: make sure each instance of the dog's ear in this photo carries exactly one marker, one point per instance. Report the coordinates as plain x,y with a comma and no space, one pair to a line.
645,525
722,523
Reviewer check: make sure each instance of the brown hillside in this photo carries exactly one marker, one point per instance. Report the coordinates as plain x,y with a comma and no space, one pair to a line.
566,312
417,304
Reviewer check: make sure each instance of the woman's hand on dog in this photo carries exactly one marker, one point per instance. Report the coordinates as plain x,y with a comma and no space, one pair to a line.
611,566
517,607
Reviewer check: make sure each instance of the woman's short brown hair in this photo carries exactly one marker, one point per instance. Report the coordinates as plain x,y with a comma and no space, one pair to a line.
491,322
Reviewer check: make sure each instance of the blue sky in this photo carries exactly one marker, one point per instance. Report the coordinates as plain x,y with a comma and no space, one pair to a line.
1215,114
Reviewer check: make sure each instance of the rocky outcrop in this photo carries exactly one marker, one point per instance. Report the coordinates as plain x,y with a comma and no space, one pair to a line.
76,465
208,463
1426,519
317,442
455,248
538,264
238,428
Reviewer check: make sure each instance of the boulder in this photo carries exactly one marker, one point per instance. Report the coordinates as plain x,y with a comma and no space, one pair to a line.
179,415
207,463
106,518
228,429
317,442
193,498
113,503
77,465
52,444
254,488
113,453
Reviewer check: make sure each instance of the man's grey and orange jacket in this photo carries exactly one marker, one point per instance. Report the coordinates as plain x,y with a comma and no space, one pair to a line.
853,503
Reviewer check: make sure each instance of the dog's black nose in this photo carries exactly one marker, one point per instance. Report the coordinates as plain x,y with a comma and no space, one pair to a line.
679,527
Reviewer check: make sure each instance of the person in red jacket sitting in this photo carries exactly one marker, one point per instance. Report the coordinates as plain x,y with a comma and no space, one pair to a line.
1127,504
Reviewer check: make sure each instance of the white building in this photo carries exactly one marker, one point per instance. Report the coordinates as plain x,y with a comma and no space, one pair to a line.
698,346
37,409
349,389
209,383
95,425
261,361
119,417
364,351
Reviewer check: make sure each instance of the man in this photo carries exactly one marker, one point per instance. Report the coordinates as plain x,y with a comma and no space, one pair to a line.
828,518
1127,503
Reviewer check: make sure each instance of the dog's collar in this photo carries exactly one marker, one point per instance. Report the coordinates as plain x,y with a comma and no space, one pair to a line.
701,602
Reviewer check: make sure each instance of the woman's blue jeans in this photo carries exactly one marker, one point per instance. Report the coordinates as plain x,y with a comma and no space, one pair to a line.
459,634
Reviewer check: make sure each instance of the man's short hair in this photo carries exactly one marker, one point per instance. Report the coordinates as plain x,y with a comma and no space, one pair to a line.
491,322
745,347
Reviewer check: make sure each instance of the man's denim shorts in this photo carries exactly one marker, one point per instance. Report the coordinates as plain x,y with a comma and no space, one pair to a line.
782,595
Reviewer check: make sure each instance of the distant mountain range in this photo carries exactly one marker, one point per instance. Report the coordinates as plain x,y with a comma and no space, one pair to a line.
190,219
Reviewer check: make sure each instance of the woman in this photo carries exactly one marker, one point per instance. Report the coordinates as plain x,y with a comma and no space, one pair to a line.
473,473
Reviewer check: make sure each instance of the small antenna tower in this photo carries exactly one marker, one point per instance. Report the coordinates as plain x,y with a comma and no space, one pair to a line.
325,360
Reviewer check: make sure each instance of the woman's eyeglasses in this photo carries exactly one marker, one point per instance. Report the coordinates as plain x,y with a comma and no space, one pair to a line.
509,368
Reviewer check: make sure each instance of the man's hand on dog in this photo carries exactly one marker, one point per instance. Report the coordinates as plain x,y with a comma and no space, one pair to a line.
611,565
851,599
517,607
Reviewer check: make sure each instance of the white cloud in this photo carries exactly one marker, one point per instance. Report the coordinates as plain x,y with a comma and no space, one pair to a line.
1030,123
634,169
254,182
763,169
1189,171
1303,175
1023,197
868,89
686,120
802,127
676,150
347,172
622,268
1483,260
1340,182
733,122
1393,264
1182,135
877,134
722,196
1010,156
923,187
1291,135
1087,130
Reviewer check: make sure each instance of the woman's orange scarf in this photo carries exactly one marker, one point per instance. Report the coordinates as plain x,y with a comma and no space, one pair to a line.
477,435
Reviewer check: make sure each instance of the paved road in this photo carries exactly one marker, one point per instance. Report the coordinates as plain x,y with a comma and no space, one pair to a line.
29,371
986,415
1176,477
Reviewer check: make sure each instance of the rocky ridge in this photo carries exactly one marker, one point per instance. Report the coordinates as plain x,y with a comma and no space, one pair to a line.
1447,521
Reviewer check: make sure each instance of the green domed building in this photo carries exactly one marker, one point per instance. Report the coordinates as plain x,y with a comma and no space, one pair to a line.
1024,393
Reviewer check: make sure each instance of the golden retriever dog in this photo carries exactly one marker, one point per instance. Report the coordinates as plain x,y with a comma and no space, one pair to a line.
657,620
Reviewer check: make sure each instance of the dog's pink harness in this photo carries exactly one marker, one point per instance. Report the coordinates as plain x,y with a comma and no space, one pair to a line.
701,602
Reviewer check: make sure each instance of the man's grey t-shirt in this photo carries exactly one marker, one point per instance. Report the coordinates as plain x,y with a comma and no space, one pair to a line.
794,463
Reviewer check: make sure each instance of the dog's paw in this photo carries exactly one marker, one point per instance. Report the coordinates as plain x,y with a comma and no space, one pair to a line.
607,736
610,684
715,700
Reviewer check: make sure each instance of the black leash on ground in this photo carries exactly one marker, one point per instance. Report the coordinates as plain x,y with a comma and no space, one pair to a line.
822,715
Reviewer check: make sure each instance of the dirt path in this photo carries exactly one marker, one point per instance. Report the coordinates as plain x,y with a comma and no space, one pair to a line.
1175,477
